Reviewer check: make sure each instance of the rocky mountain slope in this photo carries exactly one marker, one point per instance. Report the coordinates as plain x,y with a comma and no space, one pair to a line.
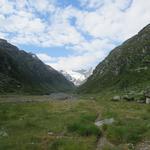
126,67
78,77
24,72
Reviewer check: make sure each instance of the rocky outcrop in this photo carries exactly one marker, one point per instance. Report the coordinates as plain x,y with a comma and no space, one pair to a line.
140,97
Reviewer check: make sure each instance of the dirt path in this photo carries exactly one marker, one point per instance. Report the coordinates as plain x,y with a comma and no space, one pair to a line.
102,141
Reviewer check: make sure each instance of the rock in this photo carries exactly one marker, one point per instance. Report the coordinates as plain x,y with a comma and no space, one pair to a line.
116,98
105,121
128,97
3,133
147,100
147,96
50,133
131,146
92,98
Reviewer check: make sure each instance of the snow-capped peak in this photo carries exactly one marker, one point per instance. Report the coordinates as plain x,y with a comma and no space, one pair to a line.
78,77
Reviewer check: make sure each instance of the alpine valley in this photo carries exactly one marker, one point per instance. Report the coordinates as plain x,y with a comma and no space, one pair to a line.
108,109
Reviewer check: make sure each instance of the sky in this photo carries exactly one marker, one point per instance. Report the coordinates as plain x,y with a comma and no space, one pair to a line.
71,34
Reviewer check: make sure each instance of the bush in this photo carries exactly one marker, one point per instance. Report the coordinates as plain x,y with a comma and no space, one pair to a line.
84,129
88,117
127,133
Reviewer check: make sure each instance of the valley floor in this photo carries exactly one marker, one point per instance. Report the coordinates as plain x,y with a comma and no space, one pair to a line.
69,124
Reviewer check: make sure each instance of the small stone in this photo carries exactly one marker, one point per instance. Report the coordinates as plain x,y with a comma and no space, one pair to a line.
3,133
92,98
105,121
131,146
116,98
50,133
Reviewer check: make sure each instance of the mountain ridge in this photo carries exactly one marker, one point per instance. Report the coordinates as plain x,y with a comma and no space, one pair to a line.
126,66
24,72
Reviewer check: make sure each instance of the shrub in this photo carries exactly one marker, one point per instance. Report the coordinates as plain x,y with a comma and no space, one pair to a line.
88,117
84,129
126,133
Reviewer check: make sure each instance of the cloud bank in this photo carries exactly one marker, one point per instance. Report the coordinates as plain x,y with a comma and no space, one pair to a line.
89,28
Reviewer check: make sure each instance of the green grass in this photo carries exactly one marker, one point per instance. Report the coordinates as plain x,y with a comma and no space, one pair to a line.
72,123
132,121
28,124
84,129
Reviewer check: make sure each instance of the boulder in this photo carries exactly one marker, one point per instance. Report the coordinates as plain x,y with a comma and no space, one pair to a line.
116,98
50,133
147,96
147,100
3,133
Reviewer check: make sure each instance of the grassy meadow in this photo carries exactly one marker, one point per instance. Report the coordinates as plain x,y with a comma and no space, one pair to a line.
69,125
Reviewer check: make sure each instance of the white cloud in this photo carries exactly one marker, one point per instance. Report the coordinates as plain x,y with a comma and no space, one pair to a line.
95,30
109,21
45,57
97,4
42,5
6,7
91,3
74,62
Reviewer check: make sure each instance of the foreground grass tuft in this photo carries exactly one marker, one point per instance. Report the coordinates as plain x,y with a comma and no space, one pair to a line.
84,129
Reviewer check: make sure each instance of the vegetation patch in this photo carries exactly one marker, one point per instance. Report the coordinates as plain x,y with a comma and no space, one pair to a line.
27,125
127,132
84,129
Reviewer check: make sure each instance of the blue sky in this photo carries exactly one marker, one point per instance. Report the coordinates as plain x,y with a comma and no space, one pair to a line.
71,34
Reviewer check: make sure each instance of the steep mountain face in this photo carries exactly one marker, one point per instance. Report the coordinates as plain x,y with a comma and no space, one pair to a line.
126,67
78,77
24,72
